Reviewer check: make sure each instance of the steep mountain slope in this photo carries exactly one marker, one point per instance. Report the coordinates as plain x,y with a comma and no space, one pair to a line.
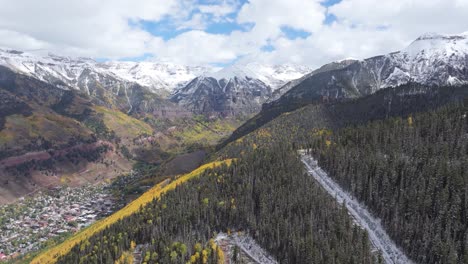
411,173
237,89
276,76
44,141
401,152
291,84
131,87
380,239
210,96
432,59
297,125
51,136
77,73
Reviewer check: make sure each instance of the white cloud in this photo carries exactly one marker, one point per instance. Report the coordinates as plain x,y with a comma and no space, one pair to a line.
333,43
95,28
219,10
101,28
196,47
270,16
197,22
20,41
411,18
366,28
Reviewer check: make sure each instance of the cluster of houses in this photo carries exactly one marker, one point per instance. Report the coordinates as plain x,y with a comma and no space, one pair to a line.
29,223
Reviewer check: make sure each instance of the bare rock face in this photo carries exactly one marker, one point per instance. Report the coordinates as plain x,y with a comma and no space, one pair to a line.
237,89
207,95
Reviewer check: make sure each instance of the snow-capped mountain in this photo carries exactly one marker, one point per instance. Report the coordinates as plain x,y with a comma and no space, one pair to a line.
78,73
327,67
64,72
275,76
93,78
431,59
156,76
239,88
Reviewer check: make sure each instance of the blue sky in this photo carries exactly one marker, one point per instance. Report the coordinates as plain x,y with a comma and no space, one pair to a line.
167,29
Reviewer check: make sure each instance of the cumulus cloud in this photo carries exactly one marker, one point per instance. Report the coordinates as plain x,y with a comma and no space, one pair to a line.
365,28
93,28
270,16
219,10
114,28
196,47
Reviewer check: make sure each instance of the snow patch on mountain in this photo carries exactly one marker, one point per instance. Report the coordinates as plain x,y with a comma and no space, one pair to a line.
432,59
236,89
231,72
156,76
436,45
273,76
77,73
63,71
73,72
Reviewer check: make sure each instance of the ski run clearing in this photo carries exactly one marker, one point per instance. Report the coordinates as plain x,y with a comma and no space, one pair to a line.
379,238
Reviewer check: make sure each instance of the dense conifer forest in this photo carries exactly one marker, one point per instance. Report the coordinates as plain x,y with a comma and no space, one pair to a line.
266,194
408,164
413,174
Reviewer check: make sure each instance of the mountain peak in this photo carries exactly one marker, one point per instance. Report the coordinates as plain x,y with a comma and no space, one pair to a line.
274,76
434,36
429,35
231,72
438,45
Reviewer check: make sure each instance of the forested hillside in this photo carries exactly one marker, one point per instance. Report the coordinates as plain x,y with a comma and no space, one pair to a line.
266,194
399,101
410,169
412,173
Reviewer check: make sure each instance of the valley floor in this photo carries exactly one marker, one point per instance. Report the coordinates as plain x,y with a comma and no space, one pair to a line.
377,235
30,223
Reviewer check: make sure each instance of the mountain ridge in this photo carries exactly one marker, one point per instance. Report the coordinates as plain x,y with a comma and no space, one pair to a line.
237,89
436,60
145,86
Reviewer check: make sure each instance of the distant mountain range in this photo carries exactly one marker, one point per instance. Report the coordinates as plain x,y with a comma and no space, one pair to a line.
431,60
142,86
79,73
